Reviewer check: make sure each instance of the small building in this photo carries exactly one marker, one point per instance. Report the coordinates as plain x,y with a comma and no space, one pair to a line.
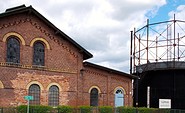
39,60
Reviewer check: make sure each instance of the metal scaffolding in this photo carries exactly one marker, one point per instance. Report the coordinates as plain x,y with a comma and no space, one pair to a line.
157,43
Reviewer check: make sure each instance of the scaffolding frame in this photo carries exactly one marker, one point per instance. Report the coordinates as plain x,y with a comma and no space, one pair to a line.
157,42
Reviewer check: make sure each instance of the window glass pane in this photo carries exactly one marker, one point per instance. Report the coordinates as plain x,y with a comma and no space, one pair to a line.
13,50
119,98
94,97
53,96
38,55
34,90
119,91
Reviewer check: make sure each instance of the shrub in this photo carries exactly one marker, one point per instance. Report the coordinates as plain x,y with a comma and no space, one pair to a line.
146,110
22,109
165,111
123,109
105,109
65,109
34,109
8,110
85,109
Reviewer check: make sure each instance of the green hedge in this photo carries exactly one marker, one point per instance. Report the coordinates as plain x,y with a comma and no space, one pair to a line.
34,109
141,110
126,109
167,111
85,109
105,109
146,110
65,109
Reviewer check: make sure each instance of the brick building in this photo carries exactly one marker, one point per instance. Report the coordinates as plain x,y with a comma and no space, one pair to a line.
38,59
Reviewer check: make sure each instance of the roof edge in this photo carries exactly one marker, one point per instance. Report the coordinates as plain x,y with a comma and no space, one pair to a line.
15,8
108,69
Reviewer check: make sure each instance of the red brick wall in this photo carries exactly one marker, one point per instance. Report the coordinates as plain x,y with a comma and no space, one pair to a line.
63,63
62,56
16,82
107,83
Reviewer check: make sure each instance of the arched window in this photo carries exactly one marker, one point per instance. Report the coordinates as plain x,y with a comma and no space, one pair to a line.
53,98
94,97
119,98
34,90
13,50
38,54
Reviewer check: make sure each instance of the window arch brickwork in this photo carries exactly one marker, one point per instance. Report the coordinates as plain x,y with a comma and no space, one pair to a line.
42,40
6,36
1,85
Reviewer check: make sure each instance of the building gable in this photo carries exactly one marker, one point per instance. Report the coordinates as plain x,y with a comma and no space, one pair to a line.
31,11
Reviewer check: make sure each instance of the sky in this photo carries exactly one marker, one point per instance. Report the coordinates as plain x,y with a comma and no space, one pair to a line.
103,26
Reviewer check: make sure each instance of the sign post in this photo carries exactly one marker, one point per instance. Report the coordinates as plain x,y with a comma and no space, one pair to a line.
148,97
28,98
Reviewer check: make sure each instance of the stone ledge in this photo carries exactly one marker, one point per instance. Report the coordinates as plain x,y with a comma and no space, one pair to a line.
35,67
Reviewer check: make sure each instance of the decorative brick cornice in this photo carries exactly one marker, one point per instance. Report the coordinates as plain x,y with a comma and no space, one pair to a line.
14,23
119,79
95,73
52,37
41,68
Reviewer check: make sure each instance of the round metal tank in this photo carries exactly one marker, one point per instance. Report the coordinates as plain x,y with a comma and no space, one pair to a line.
166,81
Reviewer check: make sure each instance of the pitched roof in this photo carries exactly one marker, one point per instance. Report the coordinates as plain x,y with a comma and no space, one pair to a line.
31,10
109,70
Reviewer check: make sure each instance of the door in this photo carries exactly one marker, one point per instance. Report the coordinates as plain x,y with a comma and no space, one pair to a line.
119,98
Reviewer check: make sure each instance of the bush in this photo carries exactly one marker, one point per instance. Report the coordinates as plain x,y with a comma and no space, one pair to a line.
34,109
123,109
166,111
8,110
22,109
85,109
146,110
105,109
65,109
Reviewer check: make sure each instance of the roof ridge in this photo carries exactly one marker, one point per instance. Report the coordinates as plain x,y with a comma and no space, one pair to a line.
15,8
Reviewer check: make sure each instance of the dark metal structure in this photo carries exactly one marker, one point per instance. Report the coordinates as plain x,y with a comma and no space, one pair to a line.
159,50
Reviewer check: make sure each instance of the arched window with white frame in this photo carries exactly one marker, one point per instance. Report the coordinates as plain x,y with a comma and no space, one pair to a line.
119,97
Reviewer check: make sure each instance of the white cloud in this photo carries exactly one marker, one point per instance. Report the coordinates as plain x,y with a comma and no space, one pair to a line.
178,12
100,26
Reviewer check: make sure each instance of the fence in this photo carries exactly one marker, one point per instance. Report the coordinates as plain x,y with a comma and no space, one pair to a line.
95,110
